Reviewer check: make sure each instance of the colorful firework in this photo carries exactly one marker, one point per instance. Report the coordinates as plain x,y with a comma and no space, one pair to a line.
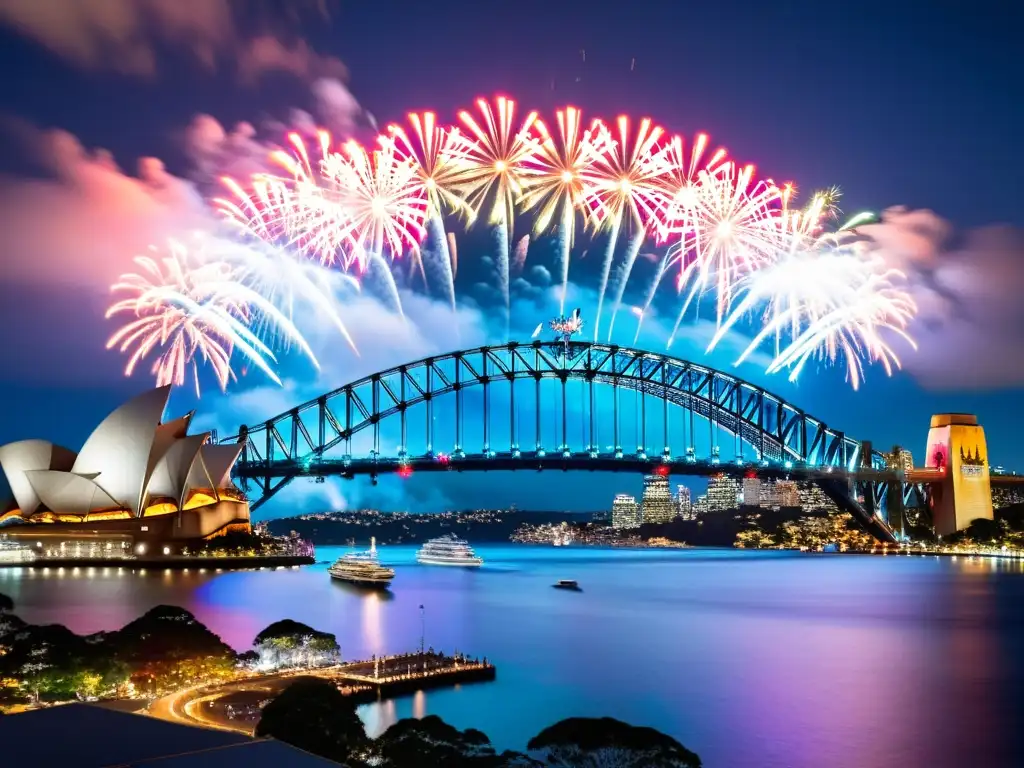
490,169
179,311
831,300
736,231
625,178
681,183
555,180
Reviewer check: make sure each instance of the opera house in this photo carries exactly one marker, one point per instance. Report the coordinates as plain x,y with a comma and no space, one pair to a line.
137,481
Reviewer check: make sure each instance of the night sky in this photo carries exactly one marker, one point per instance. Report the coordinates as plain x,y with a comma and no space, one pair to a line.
901,106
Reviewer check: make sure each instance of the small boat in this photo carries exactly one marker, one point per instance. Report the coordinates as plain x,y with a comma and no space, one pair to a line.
569,584
362,568
448,550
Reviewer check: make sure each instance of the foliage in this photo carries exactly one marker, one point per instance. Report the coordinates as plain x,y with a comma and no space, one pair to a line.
432,741
52,662
237,543
313,715
289,643
6,603
754,538
166,648
584,742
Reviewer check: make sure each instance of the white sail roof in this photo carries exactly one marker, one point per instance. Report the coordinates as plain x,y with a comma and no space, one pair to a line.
18,458
219,461
118,450
68,493
172,471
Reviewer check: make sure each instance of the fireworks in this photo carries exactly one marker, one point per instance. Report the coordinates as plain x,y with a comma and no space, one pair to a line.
178,310
831,300
735,232
626,181
555,179
357,211
490,168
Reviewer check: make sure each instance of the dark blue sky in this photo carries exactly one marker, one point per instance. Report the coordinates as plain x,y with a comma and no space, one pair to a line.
898,103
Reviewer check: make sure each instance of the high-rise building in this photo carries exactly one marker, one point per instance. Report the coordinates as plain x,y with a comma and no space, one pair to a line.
751,492
900,459
625,512
683,506
788,493
700,506
657,506
723,493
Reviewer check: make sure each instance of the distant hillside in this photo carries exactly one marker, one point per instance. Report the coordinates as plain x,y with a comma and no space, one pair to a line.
482,527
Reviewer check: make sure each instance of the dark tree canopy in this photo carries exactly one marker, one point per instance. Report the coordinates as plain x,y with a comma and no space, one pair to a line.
582,741
168,633
287,629
431,741
6,603
313,715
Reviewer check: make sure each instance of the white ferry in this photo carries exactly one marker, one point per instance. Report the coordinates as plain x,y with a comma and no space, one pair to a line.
362,568
448,550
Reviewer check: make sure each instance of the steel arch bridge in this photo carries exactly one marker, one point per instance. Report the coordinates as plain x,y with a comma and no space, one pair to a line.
771,436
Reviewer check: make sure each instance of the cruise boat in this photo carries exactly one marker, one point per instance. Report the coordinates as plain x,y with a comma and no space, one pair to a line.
362,568
448,550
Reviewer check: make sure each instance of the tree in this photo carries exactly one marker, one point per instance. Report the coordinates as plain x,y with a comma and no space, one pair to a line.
6,603
584,742
313,715
431,741
168,648
46,660
289,643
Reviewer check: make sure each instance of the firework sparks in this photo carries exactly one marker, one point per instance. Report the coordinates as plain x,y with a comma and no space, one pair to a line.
385,205
555,180
626,181
736,232
178,310
681,184
833,300
490,168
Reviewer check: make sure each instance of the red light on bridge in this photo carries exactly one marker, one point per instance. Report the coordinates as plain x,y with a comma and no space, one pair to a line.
750,474
661,471
443,458
405,471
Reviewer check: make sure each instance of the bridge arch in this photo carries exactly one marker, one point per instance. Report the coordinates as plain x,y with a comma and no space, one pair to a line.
296,442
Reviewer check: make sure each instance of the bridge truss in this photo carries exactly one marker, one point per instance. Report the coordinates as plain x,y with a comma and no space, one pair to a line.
682,413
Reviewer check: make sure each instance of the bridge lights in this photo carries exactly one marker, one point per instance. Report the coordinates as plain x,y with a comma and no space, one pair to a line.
641,454
618,452
788,464
593,453
404,471
516,453
541,453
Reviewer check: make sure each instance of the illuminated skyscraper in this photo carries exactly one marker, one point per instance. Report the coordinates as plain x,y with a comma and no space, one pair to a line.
683,506
723,493
657,501
751,492
625,512
788,493
899,458
812,499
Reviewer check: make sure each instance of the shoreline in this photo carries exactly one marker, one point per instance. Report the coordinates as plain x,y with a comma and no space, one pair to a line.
173,563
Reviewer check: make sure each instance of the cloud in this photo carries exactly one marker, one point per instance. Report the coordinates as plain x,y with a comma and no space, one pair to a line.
129,36
968,289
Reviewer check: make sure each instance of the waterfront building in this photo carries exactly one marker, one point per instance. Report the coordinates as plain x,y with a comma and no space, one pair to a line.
684,508
723,493
138,481
625,512
657,505
751,492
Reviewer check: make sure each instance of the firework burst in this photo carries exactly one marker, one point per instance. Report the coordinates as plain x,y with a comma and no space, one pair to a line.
555,178
490,169
625,179
178,311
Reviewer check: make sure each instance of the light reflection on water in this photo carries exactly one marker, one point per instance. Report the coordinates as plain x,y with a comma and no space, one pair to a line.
767,659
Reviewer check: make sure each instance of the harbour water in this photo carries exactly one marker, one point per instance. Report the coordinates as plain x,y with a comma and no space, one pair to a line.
748,658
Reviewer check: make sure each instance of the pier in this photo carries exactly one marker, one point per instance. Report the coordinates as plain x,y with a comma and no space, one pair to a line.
236,705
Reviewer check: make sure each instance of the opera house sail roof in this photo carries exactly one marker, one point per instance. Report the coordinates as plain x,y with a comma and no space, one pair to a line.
131,461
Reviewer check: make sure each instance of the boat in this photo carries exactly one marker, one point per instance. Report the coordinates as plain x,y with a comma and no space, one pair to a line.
362,568
569,584
448,550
